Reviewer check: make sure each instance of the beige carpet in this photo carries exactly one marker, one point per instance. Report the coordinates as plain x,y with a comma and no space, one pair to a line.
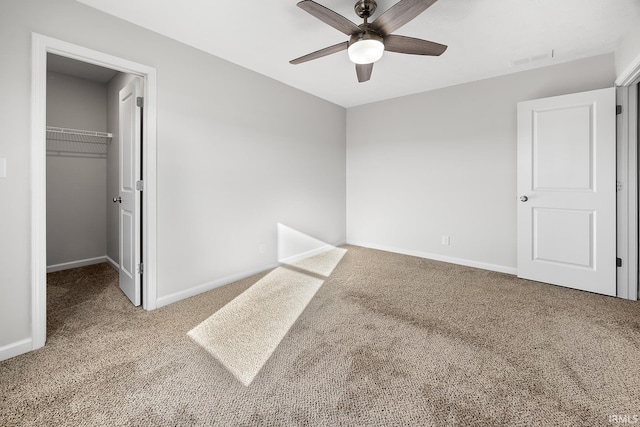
243,334
387,340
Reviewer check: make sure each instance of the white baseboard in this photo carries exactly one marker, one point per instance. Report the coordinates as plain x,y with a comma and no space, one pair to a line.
112,262
180,295
437,257
76,264
312,252
15,349
307,254
187,293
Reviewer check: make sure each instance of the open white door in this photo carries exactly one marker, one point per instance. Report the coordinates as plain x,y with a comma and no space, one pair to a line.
129,198
567,191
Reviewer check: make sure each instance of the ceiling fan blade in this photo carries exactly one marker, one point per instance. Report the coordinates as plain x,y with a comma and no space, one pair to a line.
399,14
330,17
402,44
320,53
364,72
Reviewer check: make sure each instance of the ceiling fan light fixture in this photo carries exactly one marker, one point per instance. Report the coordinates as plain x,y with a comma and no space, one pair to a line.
365,48
366,51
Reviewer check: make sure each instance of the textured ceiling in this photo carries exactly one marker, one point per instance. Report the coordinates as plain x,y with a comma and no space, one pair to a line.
485,38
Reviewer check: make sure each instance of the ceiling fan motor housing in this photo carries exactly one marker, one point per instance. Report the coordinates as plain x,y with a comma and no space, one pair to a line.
366,34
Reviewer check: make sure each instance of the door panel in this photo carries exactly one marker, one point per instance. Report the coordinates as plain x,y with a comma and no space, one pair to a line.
563,236
563,137
566,181
129,138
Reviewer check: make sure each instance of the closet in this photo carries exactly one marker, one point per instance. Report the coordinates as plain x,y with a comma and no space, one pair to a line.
82,163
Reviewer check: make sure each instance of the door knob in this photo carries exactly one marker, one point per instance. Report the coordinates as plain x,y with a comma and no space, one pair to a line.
522,198
117,199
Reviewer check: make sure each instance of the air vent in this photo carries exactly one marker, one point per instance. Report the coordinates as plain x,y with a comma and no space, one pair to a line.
531,59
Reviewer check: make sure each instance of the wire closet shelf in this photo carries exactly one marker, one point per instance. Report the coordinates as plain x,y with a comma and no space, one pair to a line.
77,142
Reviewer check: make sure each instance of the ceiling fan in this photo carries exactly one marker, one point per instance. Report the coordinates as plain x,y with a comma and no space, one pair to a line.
368,41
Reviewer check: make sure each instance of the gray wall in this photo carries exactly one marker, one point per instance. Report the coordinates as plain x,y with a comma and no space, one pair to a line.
113,89
237,154
628,52
76,186
443,163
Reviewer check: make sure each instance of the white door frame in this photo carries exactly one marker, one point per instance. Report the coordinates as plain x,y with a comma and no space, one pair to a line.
41,45
627,175
627,200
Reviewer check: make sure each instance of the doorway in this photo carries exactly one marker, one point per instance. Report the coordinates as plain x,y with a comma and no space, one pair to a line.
41,46
91,136
626,184
567,196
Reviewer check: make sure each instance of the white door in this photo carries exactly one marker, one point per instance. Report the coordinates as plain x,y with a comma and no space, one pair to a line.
567,191
129,214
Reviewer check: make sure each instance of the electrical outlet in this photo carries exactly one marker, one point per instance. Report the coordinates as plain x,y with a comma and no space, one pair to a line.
445,240
262,248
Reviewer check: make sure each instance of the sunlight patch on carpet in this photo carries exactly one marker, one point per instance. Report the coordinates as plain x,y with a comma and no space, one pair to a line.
322,263
243,334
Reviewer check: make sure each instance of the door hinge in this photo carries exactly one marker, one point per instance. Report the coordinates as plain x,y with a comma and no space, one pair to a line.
140,102
618,186
618,109
618,262
140,185
140,268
